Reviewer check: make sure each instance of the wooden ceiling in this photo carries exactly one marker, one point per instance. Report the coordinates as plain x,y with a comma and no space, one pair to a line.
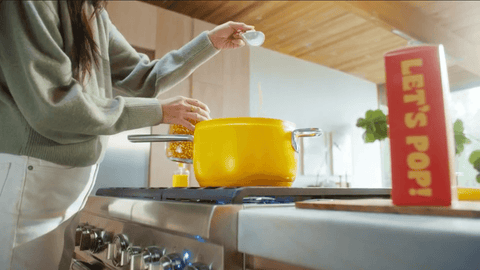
353,36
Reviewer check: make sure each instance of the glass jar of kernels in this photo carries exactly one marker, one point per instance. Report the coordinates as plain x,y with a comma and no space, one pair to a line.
180,151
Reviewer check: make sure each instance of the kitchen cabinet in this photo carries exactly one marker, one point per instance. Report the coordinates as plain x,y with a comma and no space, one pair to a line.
137,22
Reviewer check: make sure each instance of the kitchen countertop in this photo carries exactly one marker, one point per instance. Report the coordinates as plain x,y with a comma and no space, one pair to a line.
327,239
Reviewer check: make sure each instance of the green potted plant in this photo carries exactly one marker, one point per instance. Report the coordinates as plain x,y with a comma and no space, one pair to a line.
375,124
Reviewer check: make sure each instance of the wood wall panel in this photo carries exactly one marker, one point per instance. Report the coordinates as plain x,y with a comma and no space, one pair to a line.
212,71
173,31
142,32
210,94
236,92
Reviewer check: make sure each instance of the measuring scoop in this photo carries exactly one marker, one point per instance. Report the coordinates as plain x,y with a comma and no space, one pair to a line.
253,38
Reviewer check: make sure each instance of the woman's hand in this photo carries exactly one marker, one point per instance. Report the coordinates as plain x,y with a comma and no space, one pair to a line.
179,110
227,35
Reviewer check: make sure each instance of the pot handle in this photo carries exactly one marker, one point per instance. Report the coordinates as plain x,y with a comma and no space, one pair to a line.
160,138
304,132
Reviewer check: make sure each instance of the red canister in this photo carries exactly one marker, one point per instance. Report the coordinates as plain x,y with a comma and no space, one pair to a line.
421,132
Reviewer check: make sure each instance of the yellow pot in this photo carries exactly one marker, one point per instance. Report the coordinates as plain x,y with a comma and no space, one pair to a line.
245,151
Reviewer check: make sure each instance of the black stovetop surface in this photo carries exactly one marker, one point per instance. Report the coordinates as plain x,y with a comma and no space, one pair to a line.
240,195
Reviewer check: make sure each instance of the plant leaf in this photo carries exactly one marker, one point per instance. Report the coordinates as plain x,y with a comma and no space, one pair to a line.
460,138
458,126
369,114
370,137
459,148
360,122
474,157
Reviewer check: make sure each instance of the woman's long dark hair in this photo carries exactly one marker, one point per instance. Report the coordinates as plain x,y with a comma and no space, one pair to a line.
85,51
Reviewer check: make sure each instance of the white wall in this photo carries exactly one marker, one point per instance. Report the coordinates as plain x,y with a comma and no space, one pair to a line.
311,95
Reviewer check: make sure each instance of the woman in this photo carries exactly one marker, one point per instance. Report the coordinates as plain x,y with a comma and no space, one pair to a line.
58,63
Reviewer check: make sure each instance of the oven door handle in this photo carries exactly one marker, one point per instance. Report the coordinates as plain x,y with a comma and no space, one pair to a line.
79,265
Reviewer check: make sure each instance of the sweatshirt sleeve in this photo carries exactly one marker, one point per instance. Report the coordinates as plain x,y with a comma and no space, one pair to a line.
135,74
38,75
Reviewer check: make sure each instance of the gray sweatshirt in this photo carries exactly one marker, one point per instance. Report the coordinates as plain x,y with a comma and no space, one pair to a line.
46,114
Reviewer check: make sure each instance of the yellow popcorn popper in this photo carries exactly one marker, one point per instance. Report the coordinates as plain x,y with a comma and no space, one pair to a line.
244,151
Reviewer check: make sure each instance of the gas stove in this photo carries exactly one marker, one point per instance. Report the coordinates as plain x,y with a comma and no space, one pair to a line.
179,228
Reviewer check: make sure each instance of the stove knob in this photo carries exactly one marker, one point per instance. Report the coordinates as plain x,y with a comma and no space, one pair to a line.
86,240
101,239
78,233
148,259
152,255
135,257
120,245
172,262
197,266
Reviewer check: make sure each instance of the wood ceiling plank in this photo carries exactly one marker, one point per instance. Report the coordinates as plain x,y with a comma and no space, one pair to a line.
350,47
258,12
378,76
408,19
310,15
185,7
162,4
374,51
194,9
206,9
367,70
281,16
368,67
315,32
460,17
246,12
332,32
227,10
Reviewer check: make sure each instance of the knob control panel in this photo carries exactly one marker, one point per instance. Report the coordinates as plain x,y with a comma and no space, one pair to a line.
129,247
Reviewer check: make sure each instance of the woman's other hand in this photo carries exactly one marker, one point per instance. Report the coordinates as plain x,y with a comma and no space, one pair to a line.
227,35
179,110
